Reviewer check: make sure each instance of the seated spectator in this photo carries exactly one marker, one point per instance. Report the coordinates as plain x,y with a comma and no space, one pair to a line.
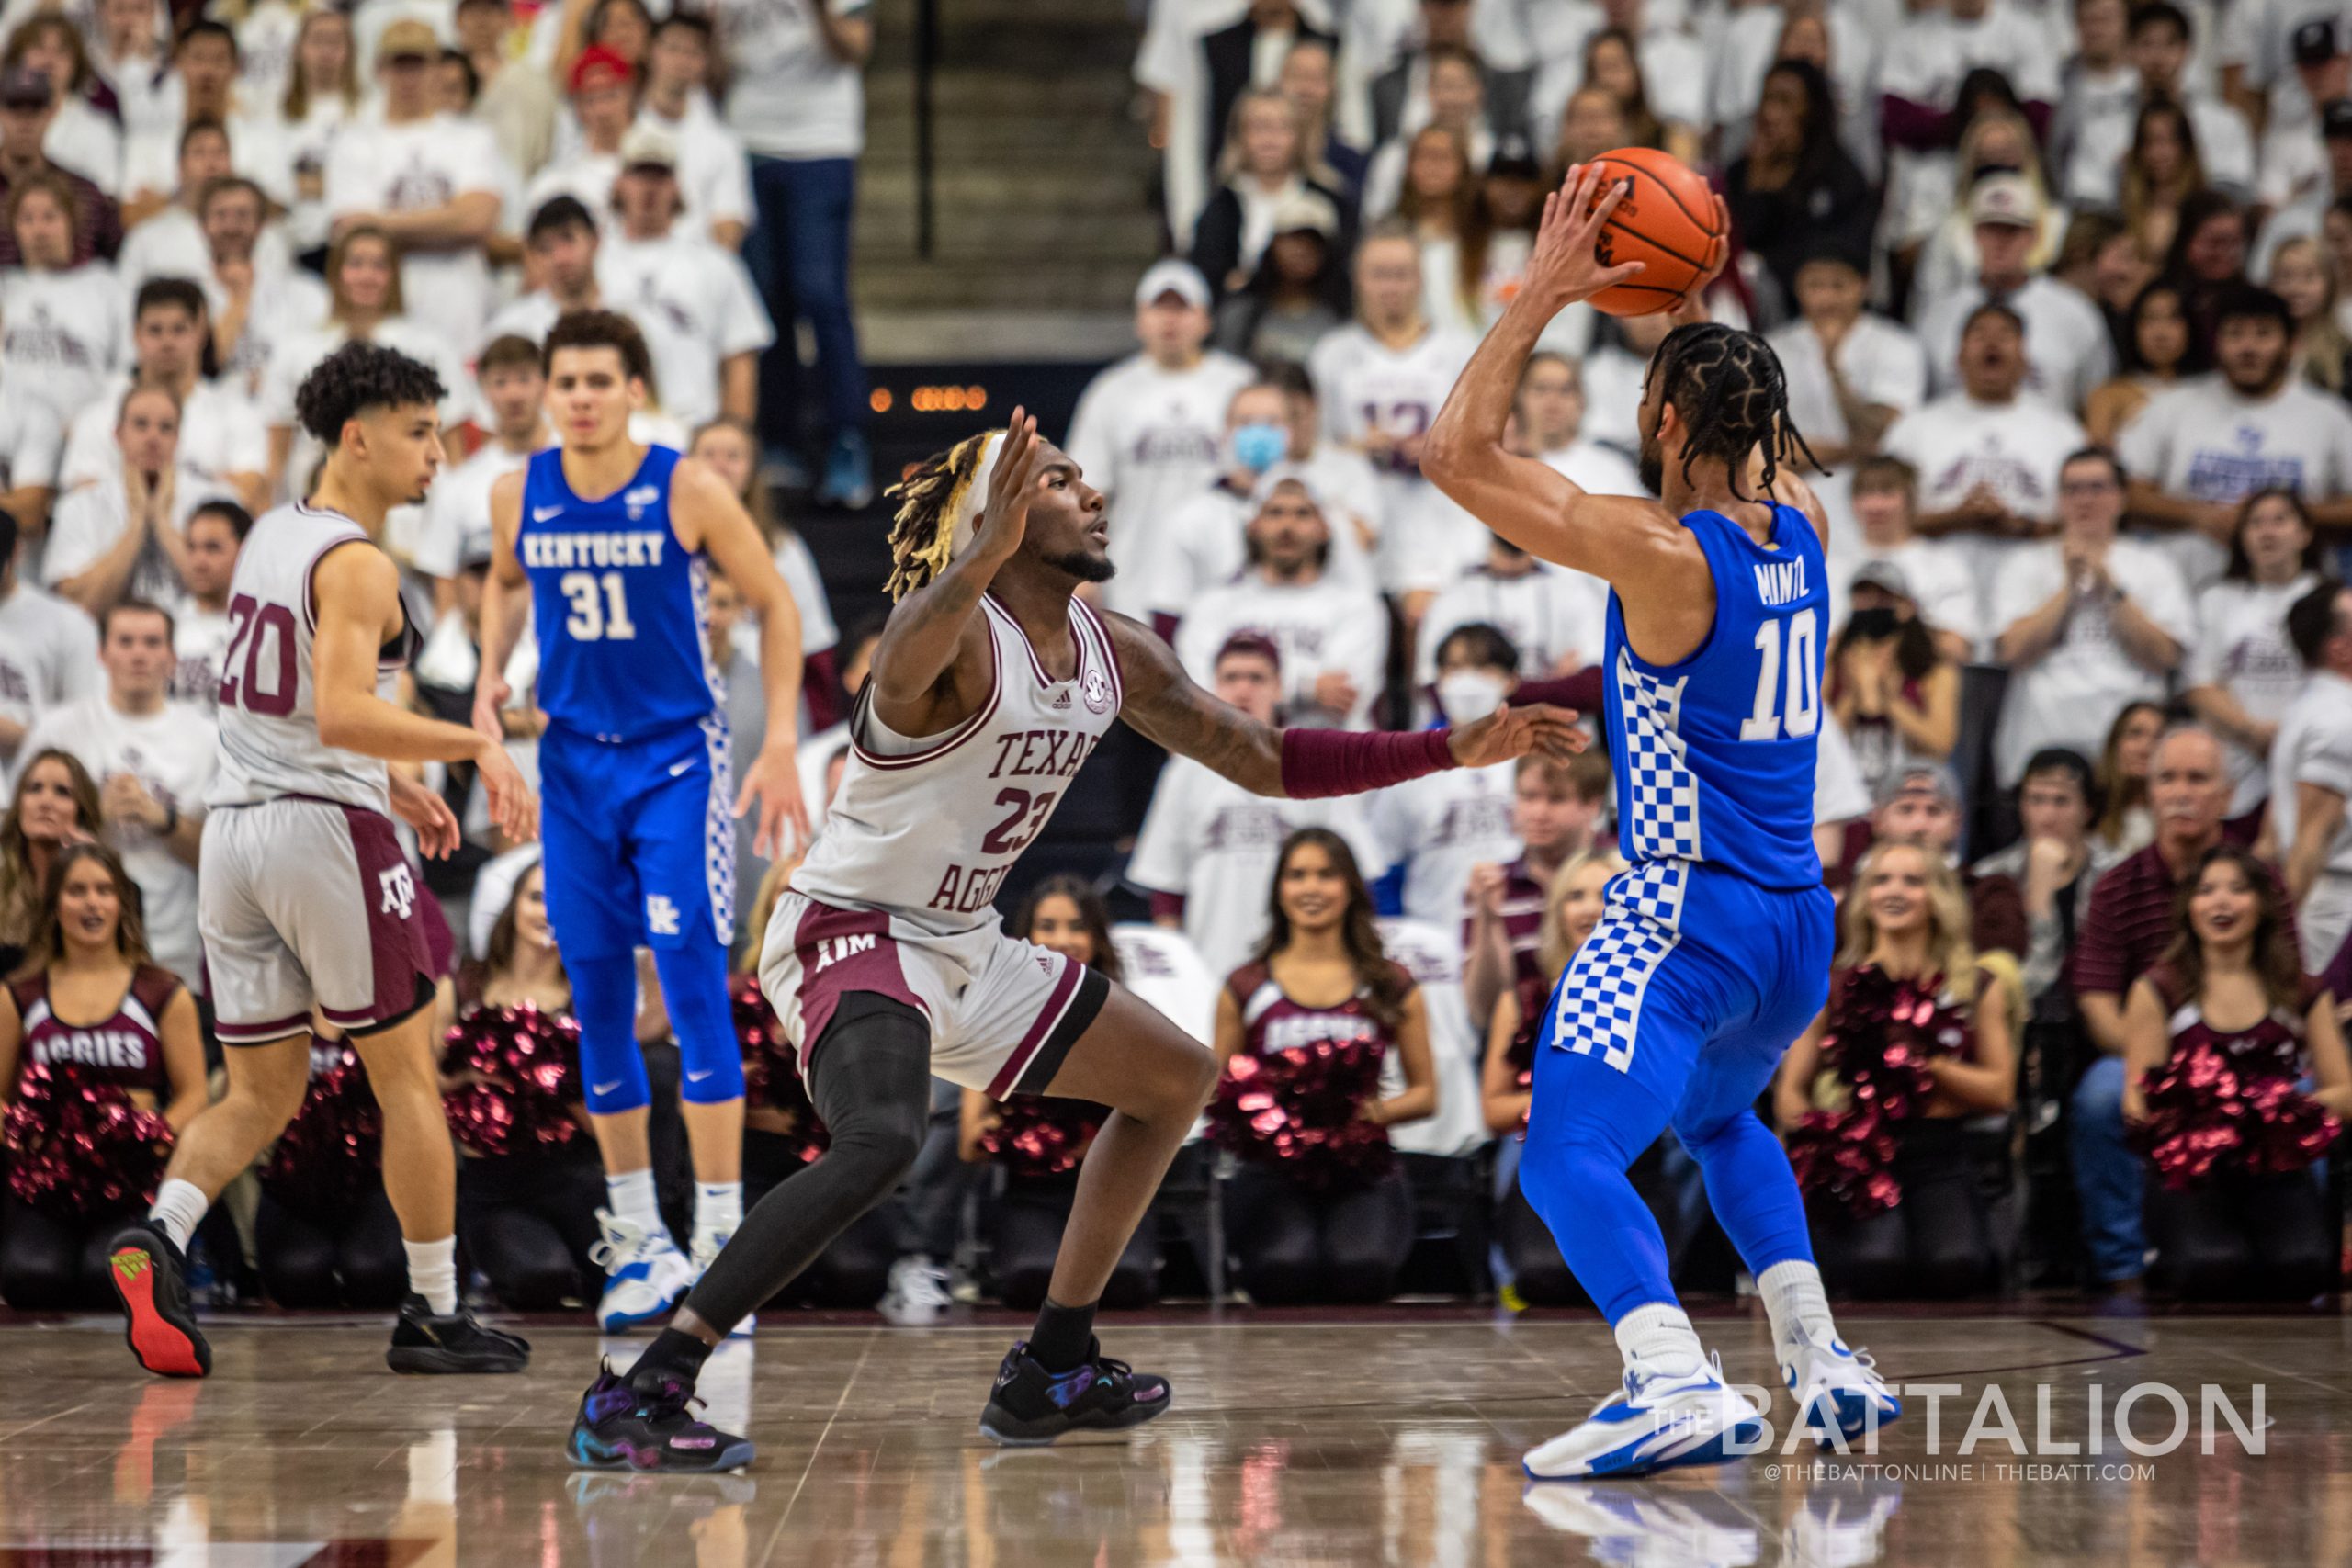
49,652
2291,161
82,135
1146,429
1309,80
2242,672
1556,616
367,301
516,97
1592,123
2322,353
1918,804
1298,293
2157,350
529,1182
1612,64
1892,688
1438,190
1797,192
1457,105
2102,262
143,1049
200,86
1914,1040
1555,811
2132,926
122,538
1433,832
1414,90
56,804
1320,1213
2126,825
2198,450
1264,168
2054,863
1988,456
2310,774
322,93
603,103
2160,171
2098,78
1851,373
1037,1143
731,448
1549,419
2089,621
1935,221
2249,1222
512,395
28,107
325,1236
153,760
258,296
214,536
2208,259
2306,218
1944,594
29,444
2066,349
218,438
708,363
2160,43
1333,638
1345,474
62,335
428,182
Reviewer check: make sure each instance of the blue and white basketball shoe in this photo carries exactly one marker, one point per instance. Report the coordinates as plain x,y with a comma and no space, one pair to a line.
644,1273
1836,1389
1668,1413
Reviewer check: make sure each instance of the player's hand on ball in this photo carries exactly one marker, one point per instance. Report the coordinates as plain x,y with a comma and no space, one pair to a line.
1005,516
492,695
437,834
1509,732
511,802
1568,264
774,780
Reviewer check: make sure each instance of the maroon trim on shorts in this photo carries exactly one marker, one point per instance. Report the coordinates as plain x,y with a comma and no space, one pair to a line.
1056,1004
261,1033
827,976
399,955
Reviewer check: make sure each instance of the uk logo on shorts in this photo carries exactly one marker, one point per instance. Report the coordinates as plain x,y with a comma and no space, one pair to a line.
1097,692
660,915
399,891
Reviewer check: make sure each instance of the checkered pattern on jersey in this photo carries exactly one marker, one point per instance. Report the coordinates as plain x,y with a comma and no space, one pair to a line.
1661,820
719,828
1600,1005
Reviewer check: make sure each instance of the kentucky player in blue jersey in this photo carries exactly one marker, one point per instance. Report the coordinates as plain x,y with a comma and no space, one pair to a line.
1713,951
616,542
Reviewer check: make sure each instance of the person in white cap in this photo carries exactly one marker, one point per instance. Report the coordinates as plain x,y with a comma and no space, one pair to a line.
1149,430
2066,345
1333,636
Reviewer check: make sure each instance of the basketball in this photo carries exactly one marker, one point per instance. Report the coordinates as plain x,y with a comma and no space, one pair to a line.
1669,221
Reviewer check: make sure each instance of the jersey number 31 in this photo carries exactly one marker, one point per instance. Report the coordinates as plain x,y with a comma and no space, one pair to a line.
1800,716
599,608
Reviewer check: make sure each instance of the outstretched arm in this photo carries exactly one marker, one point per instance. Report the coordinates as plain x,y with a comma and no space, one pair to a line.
503,615
1166,707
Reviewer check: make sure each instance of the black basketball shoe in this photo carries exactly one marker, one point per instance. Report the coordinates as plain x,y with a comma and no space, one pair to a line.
425,1341
647,1422
1031,1406
149,1275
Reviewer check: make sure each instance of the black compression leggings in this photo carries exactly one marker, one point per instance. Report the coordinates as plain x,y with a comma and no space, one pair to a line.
353,1259
855,1269
870,1079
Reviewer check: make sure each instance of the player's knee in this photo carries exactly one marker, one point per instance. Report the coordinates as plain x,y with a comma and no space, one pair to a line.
267,1091
1182,1078
878,1144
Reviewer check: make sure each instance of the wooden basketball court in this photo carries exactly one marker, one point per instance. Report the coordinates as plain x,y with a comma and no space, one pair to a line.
1310,1438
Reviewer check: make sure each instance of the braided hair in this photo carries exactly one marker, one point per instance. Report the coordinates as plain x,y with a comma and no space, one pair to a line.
922,532
1728,387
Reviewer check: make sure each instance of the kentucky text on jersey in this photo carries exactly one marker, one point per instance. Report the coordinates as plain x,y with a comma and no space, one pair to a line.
568,550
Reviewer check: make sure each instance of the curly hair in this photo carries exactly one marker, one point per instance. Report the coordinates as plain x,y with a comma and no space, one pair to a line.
357,376
1728,387
922,531
1385,986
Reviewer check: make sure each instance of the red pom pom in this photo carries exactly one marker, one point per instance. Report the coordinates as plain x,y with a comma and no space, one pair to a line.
82,1150
1302,1110
521,1068
772,1071
335,1143
1039,1137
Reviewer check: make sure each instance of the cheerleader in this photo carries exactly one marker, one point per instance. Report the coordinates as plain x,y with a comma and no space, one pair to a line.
93,1106
56,804
324,1235
1319,1209
1873,1097
2218,1039
1037,1143
529,1181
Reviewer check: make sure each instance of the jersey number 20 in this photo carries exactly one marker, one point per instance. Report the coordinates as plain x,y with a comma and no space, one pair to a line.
1799,715
599,608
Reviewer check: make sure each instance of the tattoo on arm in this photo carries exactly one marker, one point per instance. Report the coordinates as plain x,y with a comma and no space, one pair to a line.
1165,705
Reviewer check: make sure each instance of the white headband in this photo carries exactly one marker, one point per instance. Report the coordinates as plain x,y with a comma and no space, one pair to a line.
974,497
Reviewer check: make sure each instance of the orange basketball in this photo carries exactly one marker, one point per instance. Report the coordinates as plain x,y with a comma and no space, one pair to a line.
1669,221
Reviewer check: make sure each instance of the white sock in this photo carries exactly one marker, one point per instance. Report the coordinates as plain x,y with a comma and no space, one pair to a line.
179,1208
1659,1335
632,1200
719,1210
1792,1296
433,1272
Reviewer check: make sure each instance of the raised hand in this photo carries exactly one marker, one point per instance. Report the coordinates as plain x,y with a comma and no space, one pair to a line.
1509,732
774,780
1005,516
1567,266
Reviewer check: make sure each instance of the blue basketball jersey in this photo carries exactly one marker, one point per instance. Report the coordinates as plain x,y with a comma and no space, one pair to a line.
1714,755
622,610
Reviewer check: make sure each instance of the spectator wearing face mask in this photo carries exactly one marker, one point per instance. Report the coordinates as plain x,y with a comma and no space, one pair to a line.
215,533
1433,832
1332,637
2200,449
1892,690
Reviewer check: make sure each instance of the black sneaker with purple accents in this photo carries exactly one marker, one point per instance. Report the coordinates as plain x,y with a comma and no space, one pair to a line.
1031,1406
649,1423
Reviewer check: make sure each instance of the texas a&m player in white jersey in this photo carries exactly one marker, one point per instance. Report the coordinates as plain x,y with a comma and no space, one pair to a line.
305,898
886,962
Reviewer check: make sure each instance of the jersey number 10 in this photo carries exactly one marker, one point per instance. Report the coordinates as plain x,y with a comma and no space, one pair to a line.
1800,714
599,608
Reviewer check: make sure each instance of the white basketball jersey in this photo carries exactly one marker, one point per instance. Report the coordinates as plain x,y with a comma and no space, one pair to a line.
926,829
269,725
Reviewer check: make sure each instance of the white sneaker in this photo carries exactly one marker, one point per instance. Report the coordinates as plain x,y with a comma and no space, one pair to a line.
1664,1417
1836,1389
1642,1526
918,1292
644,1272
705,1249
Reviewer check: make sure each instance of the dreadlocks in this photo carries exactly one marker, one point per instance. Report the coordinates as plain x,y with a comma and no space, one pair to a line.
923,533
1728,387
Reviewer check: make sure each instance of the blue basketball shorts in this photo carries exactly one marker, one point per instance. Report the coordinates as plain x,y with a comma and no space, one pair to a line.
639,839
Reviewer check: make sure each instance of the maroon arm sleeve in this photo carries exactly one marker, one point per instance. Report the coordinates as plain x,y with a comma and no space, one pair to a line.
1319,763
821,683
1580,691
1167,905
